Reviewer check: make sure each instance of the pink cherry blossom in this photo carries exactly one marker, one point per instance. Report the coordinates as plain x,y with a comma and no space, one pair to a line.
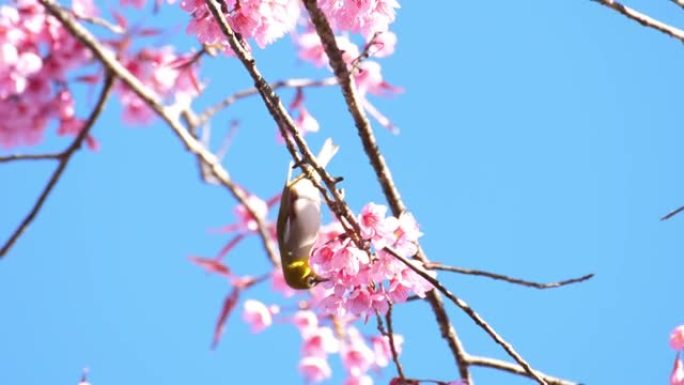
158,69
384,44
359,380
677,375
306,122
311,49
135,3
677,338
245,218
257,315
372,221
319,342
306,321
364,17
357,357
383,350
84,8
315,368
263,20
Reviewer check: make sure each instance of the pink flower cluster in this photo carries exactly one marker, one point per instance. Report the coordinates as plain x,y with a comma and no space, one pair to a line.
263,20
358,354
367,74
170,75
677,343
361,283
364,17
36,53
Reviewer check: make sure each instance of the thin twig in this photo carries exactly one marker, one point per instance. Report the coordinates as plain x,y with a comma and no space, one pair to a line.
390,336
289,83
64,159
148,96
19,157
472,314
393,346
679,2
289,130
501,277
643,19
381,169
515,369
672,213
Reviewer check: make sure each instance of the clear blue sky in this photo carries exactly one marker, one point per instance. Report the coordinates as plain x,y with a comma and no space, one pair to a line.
539,139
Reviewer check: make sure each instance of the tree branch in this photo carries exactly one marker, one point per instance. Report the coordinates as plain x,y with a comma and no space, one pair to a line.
643,19
515,369
679,2
473,315
672,213
64,158
501,277
19,157
207,114
171,117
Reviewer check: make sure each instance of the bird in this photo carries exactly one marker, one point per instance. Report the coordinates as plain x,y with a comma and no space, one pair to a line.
299,222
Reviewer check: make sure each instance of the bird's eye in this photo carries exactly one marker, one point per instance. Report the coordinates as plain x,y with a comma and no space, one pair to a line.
311,281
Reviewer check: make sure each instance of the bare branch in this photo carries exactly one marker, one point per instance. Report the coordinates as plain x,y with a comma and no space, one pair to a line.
643,19
501,277
472,314
148,96
289,83
19,157
64,159
515,369
679,2
672,213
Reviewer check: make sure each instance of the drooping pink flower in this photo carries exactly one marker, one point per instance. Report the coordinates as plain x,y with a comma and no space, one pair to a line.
306,321
383,350
263,20
364,301
306,122
315,368
158,69
372,221
384,44
677,375
311,49
677,338
356,356
359,380
245,218
134,3
364,17
84,8
319,342
257,315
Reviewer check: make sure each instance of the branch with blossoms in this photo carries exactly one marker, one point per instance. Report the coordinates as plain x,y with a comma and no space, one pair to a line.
83,129
368,263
